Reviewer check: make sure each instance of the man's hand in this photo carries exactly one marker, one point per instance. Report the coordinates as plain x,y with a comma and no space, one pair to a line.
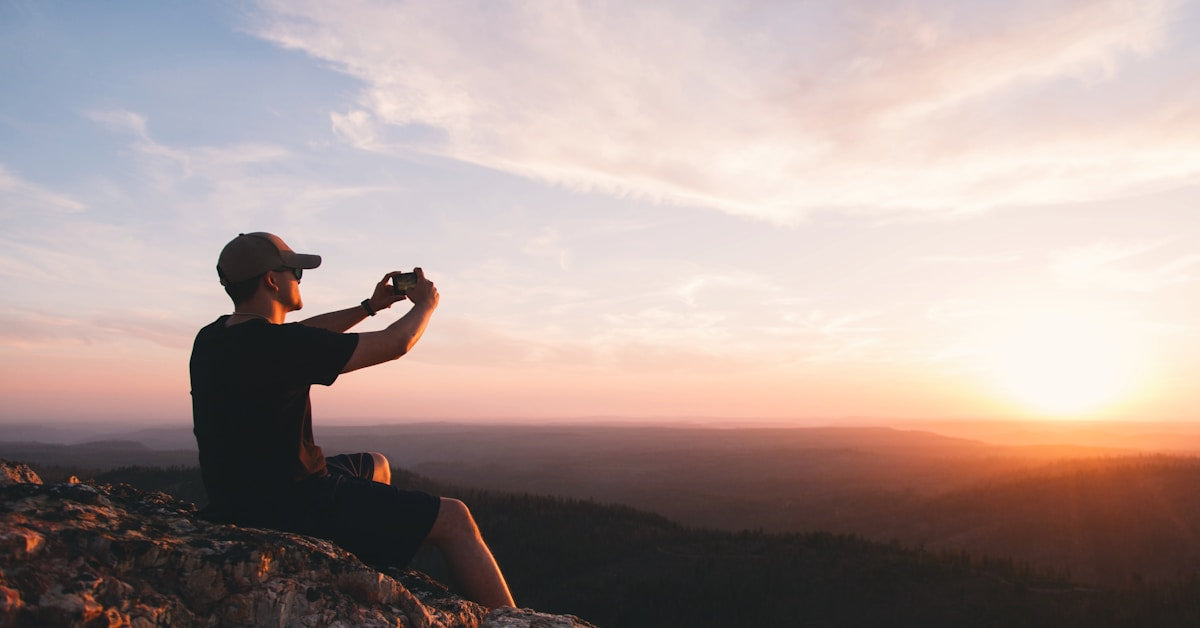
383,297
375,347
424,293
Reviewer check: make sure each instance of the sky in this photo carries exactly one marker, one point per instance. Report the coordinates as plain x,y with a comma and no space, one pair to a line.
747,211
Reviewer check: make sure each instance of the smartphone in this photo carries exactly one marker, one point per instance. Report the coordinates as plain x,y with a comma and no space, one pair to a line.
403,281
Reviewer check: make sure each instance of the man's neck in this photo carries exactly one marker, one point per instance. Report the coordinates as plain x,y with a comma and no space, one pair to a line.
271,312
241,317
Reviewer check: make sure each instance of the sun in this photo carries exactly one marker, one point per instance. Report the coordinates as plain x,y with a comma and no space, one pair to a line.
1063,363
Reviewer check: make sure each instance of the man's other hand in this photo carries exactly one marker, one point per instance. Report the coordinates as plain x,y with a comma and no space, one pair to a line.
424,293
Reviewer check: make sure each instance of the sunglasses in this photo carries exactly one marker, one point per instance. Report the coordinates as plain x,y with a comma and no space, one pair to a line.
297,272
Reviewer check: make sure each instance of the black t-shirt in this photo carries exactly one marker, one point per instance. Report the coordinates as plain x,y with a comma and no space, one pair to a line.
251,411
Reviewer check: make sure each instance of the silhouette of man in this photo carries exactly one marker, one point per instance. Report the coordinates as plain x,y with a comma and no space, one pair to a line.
251,374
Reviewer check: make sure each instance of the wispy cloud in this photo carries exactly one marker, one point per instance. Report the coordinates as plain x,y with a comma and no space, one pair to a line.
723,285
973,260
547,243
1134,267
772,110
842,337
356,128
202,161
28,328
229,184
21,197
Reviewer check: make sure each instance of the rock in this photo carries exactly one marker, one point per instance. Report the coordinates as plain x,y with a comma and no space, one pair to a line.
17,473
99,555
525,618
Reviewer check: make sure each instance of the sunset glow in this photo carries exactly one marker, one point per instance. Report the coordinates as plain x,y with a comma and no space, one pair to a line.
1063,363
785,211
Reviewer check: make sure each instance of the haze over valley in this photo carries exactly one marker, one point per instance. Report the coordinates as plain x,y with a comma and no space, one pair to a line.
1104,510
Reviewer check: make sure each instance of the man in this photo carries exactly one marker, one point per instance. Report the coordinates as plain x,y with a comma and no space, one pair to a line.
251,375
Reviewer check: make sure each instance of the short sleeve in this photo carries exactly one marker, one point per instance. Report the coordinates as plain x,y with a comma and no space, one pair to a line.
310,355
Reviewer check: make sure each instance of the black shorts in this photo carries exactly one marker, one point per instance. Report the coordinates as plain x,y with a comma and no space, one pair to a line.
381,524
351,465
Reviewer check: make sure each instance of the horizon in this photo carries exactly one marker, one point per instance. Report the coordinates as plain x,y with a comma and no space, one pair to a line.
1115,437
758,213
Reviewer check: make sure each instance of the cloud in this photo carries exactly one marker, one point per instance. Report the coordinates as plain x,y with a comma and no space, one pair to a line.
547,243
1126,267
122,121
356,128
21,197
693,322
773,110
722,285
227,185
30,328
972,260
203,161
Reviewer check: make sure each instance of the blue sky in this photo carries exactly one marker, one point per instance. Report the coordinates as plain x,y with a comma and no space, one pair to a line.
777,210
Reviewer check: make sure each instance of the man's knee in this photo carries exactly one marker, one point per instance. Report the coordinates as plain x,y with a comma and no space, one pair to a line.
382,472
454,522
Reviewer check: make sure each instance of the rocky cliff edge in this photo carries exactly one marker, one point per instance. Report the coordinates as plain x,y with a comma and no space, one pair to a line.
99,555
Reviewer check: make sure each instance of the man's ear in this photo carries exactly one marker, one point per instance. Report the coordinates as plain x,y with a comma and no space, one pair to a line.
270,283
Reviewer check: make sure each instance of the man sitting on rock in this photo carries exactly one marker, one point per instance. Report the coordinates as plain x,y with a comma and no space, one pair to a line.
251,375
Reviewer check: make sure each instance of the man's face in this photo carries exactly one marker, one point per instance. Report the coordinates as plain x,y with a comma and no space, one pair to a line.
289,289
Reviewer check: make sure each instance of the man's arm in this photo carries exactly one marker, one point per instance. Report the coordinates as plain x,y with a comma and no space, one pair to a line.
342,320
396,339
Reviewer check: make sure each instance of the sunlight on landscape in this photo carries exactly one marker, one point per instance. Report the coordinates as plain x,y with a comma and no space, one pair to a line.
1064,363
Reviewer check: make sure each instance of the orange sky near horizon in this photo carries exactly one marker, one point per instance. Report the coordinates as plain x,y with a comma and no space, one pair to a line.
123,385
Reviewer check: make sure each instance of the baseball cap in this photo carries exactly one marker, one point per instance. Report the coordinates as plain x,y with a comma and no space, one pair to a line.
252,254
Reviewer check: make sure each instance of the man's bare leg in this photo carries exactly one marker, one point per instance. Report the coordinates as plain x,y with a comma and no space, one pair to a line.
471,563
382,472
